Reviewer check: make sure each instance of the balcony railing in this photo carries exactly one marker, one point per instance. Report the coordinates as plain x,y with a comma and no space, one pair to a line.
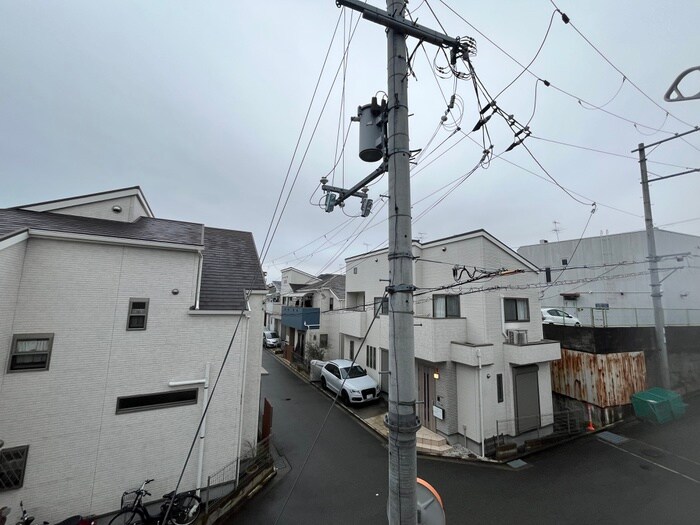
354,322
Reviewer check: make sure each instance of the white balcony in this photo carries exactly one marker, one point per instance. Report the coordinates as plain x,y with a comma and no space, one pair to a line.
472,355
274,309
433,337
353,323
530,353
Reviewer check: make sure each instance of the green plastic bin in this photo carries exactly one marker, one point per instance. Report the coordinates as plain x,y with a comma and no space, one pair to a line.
658,405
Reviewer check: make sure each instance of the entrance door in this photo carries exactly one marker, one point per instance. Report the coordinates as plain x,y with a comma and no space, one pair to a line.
426,394
527,398
385,368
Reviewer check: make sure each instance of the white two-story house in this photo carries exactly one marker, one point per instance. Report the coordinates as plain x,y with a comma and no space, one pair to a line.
482,367
113,326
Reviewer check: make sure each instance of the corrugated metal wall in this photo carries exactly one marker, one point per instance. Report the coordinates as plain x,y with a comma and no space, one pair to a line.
605,380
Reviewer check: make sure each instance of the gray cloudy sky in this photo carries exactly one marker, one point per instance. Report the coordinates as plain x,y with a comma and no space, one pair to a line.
201,104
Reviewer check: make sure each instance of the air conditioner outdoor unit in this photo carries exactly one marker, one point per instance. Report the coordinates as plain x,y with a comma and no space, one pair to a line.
521,337
510,336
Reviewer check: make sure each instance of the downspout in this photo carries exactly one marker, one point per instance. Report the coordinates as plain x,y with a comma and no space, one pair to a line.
199,281
202,431
240,408
481,403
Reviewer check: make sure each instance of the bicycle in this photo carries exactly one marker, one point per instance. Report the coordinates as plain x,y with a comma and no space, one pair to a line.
185,509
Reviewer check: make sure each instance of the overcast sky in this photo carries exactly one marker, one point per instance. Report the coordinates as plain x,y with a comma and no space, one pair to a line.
202,104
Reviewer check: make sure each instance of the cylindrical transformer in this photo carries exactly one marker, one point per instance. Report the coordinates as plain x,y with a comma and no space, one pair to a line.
371,133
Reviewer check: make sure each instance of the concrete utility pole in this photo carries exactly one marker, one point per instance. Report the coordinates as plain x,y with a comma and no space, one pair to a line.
402,420
659,321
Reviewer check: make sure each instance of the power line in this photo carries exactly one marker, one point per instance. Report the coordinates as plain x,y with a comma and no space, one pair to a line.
567,21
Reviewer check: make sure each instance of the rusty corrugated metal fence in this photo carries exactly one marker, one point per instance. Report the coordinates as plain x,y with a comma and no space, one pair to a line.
604,380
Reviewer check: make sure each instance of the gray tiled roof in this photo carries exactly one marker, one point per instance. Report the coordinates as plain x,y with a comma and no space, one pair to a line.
335,282
230,258
231,266
144,228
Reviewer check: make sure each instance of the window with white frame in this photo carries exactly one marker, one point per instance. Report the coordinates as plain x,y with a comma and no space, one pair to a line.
371,358
30,352
516,310
138,314
445,306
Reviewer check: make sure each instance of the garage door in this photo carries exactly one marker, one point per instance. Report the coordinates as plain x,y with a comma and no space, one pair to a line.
527,398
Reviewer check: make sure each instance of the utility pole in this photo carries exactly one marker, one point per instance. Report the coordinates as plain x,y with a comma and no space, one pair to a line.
659,321
401,420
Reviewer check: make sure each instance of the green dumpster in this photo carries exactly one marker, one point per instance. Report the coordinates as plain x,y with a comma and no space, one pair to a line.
658,405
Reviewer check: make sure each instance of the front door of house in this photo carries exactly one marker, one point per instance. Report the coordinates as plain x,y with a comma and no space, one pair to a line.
426,396
527,398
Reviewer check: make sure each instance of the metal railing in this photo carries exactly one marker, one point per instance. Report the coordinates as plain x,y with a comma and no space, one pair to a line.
548,428
615,317
235,477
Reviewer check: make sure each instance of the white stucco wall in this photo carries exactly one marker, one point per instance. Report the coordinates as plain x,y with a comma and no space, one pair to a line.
131,209
82,455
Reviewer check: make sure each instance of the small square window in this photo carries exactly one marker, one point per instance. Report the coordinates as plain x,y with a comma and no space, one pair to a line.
30,352
381,304
13,462
516,310
138,314
354,270
445,306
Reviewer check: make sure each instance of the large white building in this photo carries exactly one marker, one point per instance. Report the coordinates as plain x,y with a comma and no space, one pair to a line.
109,321
605,281
482,367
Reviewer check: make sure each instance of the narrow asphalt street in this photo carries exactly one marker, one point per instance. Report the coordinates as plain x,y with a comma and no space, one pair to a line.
652,477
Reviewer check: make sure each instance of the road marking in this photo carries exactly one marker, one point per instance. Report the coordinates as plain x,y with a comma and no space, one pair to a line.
669,452
652,462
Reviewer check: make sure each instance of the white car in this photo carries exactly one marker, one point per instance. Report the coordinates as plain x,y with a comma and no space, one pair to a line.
270,339
350,381
556,316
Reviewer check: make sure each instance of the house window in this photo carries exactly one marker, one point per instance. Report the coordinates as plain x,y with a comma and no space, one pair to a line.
158,400
138,313
445,306
371,361
13,462
323,341
330,303
30,352
516,310
354,270
381,305
499,387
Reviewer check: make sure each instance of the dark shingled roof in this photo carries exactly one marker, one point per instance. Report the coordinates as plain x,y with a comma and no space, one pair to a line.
334,281
231,266
144,228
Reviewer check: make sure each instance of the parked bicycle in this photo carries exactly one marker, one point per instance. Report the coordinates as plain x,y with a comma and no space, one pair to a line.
186,508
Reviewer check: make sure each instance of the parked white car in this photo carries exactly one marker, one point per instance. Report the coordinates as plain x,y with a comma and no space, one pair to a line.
270,339
556,316
350,381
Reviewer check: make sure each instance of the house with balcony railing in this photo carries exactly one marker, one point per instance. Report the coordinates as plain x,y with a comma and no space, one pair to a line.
482,365
306,307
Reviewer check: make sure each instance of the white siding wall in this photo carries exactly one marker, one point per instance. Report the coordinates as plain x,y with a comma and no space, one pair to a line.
82,455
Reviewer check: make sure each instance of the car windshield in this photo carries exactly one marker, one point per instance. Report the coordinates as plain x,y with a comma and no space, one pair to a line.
271,335
354,371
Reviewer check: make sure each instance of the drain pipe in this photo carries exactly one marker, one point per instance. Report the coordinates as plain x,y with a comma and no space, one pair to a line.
244,347
481,403
202,431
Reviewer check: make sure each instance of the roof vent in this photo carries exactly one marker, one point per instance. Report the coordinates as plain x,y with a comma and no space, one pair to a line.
116,208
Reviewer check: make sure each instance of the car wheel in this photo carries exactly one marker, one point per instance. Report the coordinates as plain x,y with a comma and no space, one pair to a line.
344,396
323,383
577,324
